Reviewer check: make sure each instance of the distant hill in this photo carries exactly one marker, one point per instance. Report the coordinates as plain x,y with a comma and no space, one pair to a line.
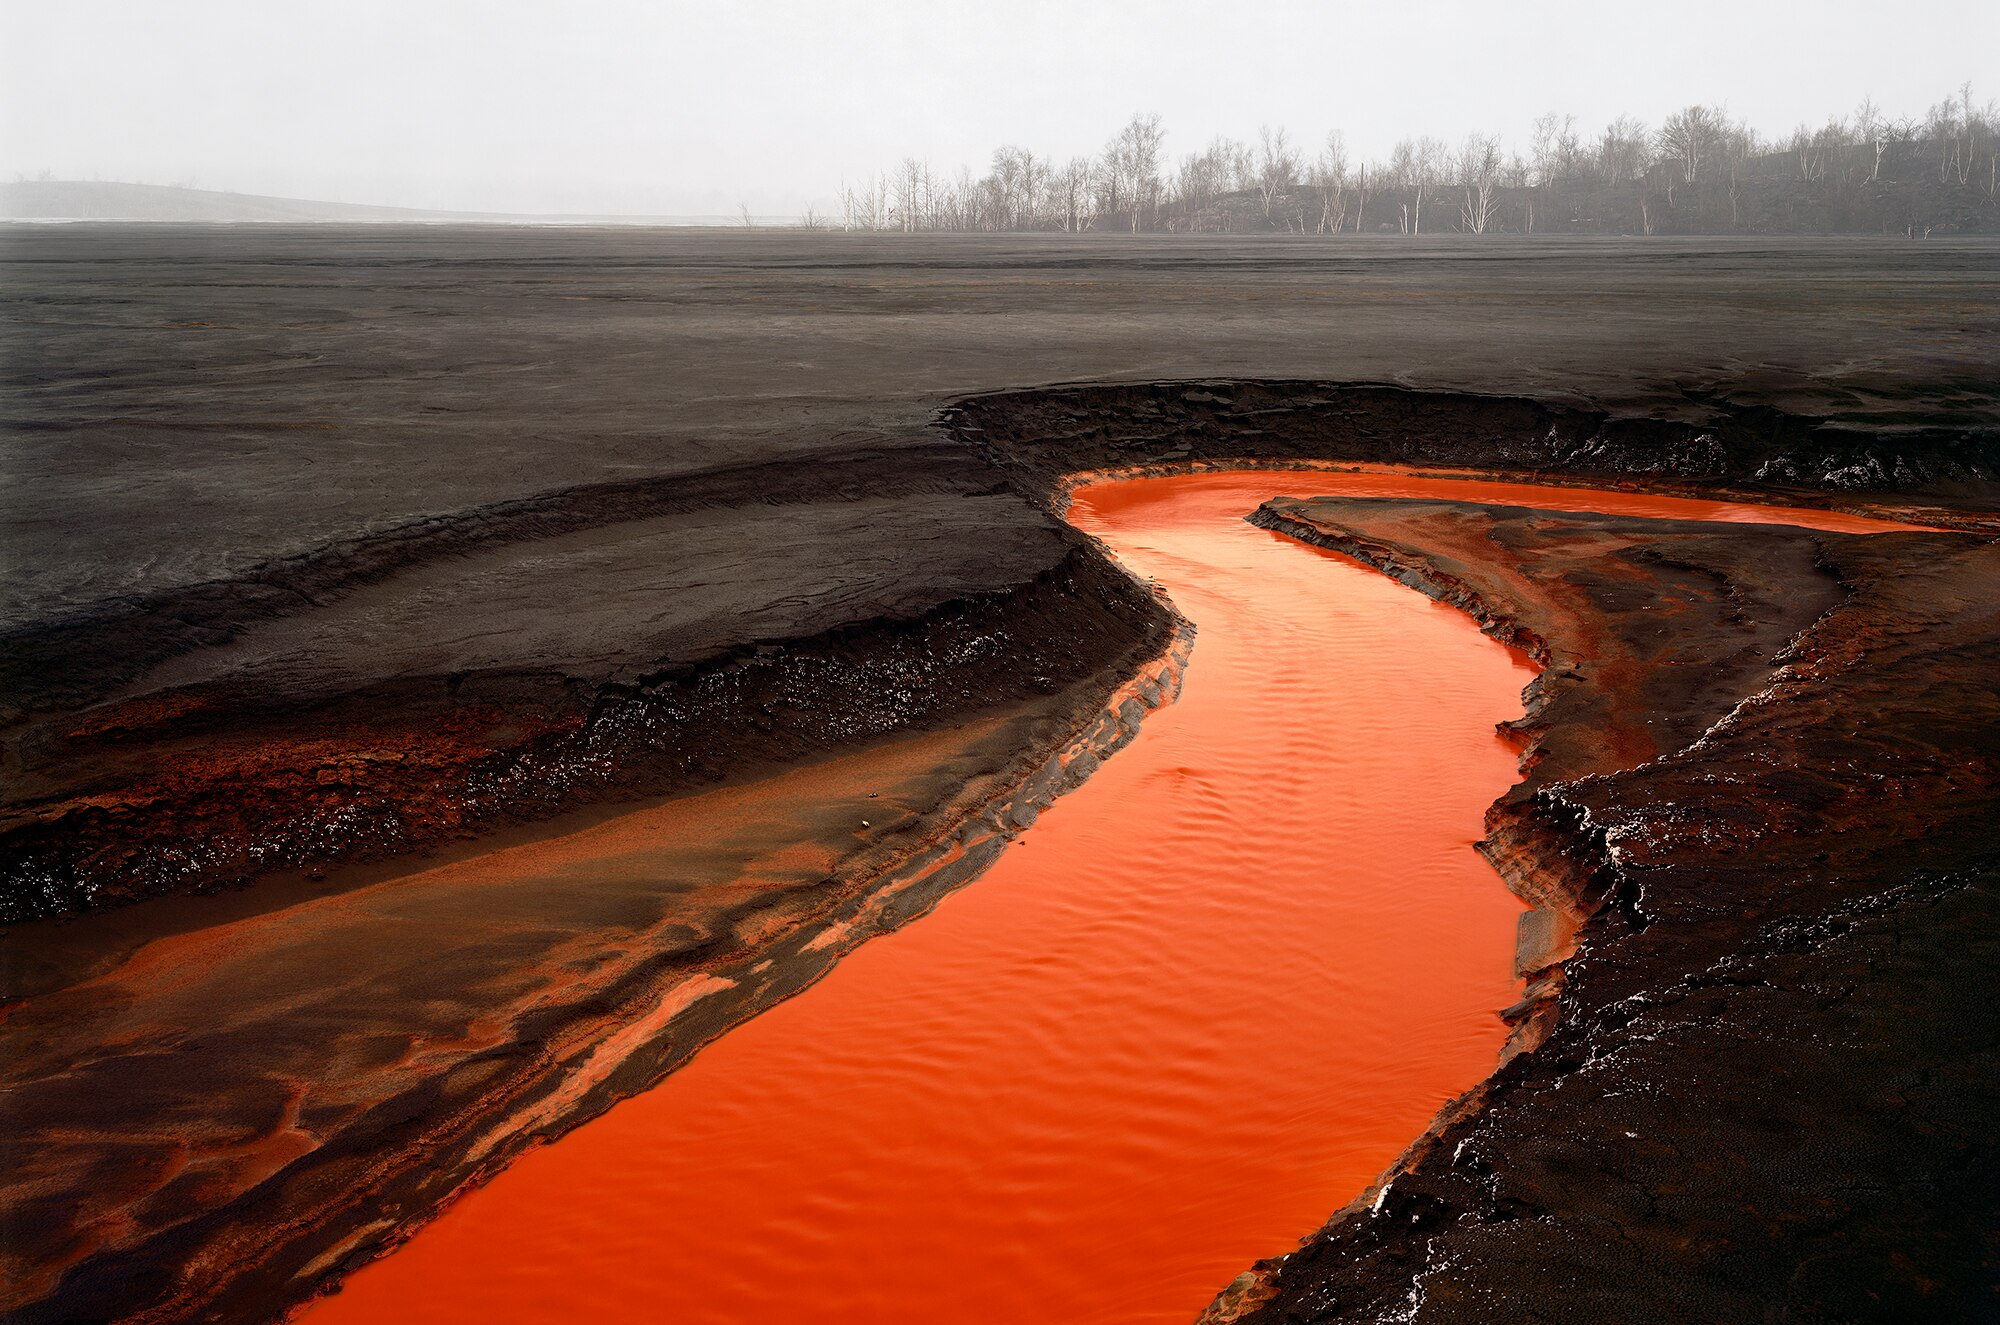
91,200
96,200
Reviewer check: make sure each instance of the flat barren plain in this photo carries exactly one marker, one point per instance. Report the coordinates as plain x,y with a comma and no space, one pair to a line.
340,559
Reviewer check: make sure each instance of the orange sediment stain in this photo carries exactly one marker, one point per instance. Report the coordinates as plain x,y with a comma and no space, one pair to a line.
592,905
609,1054
1201,1004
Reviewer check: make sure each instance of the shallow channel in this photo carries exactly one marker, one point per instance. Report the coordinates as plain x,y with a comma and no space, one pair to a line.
1204,1001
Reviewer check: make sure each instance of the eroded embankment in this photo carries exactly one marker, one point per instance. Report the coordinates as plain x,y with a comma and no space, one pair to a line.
1094,1031
381,694
212,776
1174,1024
1763,1077
462,675
1039,437
214,1126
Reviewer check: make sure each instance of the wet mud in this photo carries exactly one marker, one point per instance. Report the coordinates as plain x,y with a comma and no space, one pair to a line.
1759,821
295,492
209,1124
1179,1018
1094,1103
346,546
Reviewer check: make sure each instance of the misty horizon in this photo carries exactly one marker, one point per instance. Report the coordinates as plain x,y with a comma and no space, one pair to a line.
690,111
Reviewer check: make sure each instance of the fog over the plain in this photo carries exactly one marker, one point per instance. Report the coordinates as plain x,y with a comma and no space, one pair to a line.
676,108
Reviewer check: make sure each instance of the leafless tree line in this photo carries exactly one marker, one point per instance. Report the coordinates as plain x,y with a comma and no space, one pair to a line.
1699,156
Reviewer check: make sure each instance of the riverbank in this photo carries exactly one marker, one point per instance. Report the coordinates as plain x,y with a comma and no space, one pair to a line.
1586,592
1761,1073
1209,995
1771,585
357,552
295,488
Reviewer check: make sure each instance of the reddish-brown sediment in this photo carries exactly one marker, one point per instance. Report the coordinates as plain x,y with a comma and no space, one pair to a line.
275,1191
1149,1038
705,519
1763,1070
205,1125
1180,1018
526,1042
420,687
477,668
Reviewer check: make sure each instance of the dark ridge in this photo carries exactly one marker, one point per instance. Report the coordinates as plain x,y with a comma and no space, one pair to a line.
763,703
1769,1084
1898,681
110,804
1038,437
381,1172
78,658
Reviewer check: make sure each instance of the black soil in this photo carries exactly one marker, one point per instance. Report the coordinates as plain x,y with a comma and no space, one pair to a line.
337,544
1766,1086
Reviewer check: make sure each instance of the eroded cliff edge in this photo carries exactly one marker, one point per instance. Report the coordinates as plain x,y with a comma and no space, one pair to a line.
1765,1078
214,1124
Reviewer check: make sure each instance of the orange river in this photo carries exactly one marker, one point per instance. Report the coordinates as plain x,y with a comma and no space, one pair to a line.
1200,1005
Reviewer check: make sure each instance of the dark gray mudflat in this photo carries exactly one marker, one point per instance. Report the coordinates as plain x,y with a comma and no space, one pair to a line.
187,402
330,543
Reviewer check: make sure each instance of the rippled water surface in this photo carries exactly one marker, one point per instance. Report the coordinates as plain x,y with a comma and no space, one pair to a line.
1196,1008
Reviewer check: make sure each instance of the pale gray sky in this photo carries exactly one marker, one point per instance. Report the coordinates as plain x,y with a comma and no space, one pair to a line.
615,105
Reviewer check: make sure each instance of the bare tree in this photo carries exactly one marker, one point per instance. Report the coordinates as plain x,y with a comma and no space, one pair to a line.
1070,194
1016,191
1811,148
958,205
1479,173
1698,147
1140,142
1401,173
1433,167
1130,179
1109,178
1738,146
1948,129
1277,166
1330,178
1417,166
913,189
1205,176
1871,129
1554,151
1691,137
1957,128
1622,153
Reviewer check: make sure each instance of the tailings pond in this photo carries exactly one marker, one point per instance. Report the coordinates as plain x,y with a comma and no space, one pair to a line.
1197,1007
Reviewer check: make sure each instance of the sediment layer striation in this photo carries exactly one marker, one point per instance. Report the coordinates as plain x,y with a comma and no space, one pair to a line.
376,693
505,665
379,694
1039,437
215,1124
